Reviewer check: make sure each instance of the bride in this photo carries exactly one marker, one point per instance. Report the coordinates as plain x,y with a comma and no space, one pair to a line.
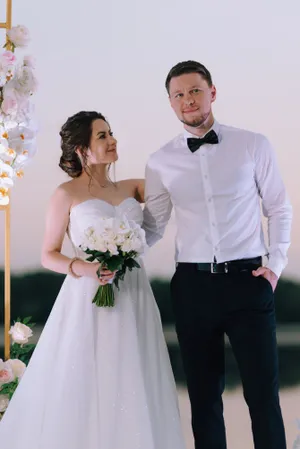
99,378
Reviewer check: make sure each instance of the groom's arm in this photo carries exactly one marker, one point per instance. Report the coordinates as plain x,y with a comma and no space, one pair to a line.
158,205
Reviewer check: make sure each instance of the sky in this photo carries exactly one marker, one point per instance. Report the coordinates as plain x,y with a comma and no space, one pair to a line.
114,57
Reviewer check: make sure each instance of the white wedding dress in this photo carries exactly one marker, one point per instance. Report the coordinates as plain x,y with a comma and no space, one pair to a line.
99,378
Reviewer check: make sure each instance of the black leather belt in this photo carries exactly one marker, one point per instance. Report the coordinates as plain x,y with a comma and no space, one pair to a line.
233,266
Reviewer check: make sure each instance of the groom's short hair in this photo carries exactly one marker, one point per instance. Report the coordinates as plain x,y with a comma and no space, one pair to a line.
188,67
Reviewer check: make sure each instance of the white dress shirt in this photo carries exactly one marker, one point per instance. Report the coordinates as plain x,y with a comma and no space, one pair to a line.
217,193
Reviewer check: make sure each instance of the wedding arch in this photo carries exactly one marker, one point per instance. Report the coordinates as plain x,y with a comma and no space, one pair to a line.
17,135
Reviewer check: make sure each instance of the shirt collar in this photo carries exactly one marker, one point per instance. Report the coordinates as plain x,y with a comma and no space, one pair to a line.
216,127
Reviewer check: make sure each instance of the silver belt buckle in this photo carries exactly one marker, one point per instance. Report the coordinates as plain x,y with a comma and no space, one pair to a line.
213,271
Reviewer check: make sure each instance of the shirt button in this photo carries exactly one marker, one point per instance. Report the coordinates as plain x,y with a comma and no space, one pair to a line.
214,224
205,176
209,200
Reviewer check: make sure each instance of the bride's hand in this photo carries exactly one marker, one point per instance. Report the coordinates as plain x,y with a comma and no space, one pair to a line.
105,275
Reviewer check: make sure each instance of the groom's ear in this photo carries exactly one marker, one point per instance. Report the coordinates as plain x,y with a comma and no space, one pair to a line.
213,93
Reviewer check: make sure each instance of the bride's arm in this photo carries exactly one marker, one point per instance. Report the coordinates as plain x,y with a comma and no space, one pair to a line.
57,220
140,190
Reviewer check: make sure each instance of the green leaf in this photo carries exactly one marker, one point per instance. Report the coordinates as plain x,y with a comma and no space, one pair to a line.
26,320
99,254
132,263
114,263
90,259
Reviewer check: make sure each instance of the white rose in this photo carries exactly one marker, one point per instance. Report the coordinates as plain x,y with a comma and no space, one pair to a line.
4,401
100,245
127,246
18,367
120,239
20,333
112,248
6,373
19,36
136,244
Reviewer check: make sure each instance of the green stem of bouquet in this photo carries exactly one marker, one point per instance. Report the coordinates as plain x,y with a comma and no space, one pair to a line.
105,296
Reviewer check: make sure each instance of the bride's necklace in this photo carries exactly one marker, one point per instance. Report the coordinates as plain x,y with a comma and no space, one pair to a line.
102,185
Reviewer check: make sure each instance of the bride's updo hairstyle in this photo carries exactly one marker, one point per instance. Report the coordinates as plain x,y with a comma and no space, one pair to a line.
76,135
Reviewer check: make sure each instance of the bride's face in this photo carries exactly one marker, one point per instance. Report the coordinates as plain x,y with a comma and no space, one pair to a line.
103,146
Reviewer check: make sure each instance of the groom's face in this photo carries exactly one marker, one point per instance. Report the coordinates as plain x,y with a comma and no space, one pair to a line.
191,98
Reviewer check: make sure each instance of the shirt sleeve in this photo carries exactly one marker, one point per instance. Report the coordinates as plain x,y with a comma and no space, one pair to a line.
276,205
158,205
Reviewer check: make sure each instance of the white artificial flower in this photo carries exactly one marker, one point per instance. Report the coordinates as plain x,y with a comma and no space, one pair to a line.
6,373
10,101
19,36
29,61
3,79
6,154
20,333
4,198
25,82
18,367
6,175
7,59
4,401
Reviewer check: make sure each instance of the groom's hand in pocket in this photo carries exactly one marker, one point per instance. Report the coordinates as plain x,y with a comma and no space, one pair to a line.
267,274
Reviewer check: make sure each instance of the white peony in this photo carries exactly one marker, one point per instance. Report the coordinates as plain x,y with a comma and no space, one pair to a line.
29,61
18,367
20,333
4,401
19,36
25,82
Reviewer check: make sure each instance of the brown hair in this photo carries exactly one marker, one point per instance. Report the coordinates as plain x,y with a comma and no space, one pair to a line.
188,67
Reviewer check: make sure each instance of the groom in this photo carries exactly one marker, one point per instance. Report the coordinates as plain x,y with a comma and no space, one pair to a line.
216,176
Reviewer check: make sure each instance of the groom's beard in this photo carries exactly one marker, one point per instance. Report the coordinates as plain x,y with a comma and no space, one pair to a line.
197,122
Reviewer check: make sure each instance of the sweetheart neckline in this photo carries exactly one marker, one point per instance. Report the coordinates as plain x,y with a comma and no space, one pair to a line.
115,206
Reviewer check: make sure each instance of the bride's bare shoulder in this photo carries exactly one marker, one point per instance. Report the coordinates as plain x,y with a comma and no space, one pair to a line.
63,193
134,188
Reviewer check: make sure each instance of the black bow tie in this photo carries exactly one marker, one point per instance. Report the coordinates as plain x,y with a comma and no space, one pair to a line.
194,143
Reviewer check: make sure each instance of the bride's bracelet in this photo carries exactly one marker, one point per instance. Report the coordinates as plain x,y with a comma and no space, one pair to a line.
70,270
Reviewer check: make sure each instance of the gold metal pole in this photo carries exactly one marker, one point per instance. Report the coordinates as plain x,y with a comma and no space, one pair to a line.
7,275
7,285
8,13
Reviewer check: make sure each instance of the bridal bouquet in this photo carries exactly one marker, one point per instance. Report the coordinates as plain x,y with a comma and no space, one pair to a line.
12,370
115,243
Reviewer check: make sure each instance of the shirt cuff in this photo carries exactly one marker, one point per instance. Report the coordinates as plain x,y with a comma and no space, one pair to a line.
276,265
